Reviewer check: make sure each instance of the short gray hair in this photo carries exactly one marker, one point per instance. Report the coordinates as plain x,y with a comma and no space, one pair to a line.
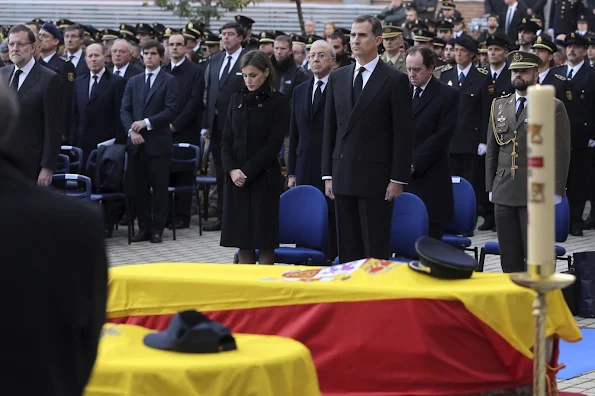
328,46
123,41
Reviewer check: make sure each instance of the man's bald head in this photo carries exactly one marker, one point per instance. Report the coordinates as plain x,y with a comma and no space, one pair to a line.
322,58
95,57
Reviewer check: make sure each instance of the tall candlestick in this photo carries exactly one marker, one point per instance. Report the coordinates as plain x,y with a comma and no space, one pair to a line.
541,180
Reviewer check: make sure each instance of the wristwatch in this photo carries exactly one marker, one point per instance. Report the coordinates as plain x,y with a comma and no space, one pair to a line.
129,132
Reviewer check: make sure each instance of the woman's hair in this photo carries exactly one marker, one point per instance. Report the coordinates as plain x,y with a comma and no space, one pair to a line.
262,62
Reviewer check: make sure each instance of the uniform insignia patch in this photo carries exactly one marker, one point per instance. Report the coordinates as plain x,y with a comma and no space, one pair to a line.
482,71
71,77
560,77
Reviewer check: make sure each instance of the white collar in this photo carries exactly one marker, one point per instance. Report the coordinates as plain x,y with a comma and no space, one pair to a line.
543,75
513,6
99,75
27,68
519,96
122,70
370,66
177,64
498,72
323,79
154,72
48,58
576,68
465,70
77,54
235,54
423,87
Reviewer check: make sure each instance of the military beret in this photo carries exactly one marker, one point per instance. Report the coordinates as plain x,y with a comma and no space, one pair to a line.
523,60
391,31
545,43
528,25
143,28
575,38
448,5
496,39
451,42
423,35
441,260
244,21
467,42
53,30
109,34
443,24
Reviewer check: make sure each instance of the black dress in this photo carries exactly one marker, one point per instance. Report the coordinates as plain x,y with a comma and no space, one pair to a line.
256,125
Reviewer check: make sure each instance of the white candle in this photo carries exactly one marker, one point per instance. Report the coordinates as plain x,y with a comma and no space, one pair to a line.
541,161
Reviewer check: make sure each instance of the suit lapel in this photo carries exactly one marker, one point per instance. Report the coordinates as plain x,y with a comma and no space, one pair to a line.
469,78
85,82
523,115
427,96
308,100
156,84
30,80
101,86
375,82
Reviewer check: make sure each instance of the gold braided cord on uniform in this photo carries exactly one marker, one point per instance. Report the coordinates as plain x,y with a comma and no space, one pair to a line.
501,142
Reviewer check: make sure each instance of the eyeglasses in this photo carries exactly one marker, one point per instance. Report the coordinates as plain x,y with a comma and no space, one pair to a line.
17,45
320,55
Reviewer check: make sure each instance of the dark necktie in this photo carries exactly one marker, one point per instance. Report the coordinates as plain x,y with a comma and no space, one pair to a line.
570,74
317,94
223,78
358,85
521,107
461,78
495,76
416,95
94,87
390,63
148,85
117,72
175,69
15,80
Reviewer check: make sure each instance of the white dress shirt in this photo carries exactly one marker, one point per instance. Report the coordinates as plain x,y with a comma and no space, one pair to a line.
518,103
77,57
322,87
542,76
234,58
153,77
465,70
173,64
25,72
498,72
574,69
122,70
423,87
92,81
47,58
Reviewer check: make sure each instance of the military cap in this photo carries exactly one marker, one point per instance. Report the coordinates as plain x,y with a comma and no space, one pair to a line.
528,25
311,39
467,42
443,24
523,60
391,31
159,28
143,28
582,19
169,31
417,24
269,36
196,28
483,48
53,30
574,38
423,35
91,32
212,39
38,21
545,43
109,34
190,34
244,21
252,42
127,30
438,42
537,20
496,39
343,31
448,5
429,22
456,20
296,38
441,260
64,23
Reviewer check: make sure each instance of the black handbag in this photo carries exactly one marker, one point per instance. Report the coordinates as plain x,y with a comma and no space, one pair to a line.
584,266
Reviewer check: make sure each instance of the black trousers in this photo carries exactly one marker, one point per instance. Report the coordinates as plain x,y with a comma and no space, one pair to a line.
363,227
578,185
215,149
592,179
183,199
484,207
511,224
151,172
464,165
332,249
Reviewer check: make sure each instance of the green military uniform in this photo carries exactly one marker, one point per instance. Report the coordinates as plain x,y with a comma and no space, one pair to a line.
397,61
506,166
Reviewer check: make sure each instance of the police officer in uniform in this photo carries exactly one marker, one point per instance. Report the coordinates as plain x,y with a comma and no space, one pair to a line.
544,48
392,39
506,160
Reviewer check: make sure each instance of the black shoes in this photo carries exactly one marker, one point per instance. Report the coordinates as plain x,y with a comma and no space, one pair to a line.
216,226
156,237
142,236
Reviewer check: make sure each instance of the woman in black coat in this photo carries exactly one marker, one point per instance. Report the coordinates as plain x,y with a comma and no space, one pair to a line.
257,122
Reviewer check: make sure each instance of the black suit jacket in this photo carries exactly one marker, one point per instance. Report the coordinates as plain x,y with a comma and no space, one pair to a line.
370,143
160,107
67,74
217,99
502,85
435,122
81,67
474,109
560,83
519,14
96,119
190,85
305,136
132,70
55,301
35,142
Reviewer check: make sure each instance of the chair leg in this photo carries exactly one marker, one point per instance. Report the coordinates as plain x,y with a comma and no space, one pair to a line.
236,258
205,192
476,252
173,214
130,224
198,209
482,257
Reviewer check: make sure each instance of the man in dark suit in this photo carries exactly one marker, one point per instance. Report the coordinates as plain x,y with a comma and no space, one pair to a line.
74,38
190,85
580,94
35,142
57,308
223,78
367,145
435,111
306,129
50,38
150,99
511,17
122,60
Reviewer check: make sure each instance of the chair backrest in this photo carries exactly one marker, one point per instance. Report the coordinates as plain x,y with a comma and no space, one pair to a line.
91,163
185,157
408,224
62,184
75,154
465,210
303,217
562,220
63,164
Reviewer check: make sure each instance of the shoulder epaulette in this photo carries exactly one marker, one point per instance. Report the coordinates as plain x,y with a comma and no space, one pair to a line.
64,59
446,67
504,96
560,77
440,68
482,71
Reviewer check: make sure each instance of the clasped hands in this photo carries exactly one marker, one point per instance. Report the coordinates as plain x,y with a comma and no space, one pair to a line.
238,177
135,137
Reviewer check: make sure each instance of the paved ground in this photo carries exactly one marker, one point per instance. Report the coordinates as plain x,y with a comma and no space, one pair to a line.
190,247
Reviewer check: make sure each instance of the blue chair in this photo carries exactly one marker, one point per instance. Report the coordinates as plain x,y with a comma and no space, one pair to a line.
75,154
408,224
465,216
185,163
62,165
101,198
562,228
303,219
72,185
203,180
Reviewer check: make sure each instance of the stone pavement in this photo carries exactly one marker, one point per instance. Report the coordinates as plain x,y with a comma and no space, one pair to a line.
190,247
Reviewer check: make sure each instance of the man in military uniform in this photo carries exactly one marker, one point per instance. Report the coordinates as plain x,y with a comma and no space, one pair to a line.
424,38
449,11
247,25
545,49
266,41
527,31
458,29
482,55
439,45
194,32
580,95
444,29
506,160
500,83
392,39
563,15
